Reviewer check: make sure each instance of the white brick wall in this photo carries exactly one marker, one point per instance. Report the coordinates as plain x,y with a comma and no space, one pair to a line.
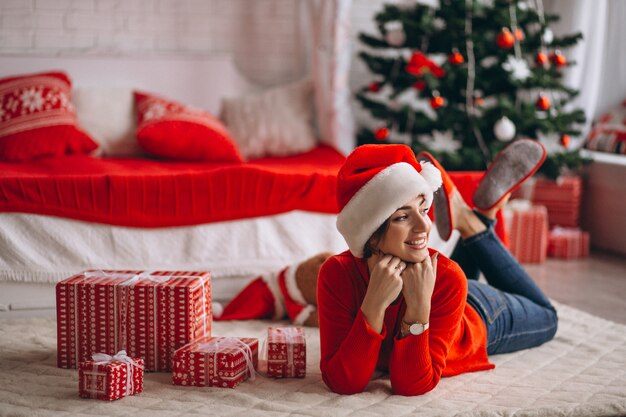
264,35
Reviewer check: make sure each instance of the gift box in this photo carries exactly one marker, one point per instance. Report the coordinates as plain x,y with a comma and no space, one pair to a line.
148,314
286,352
216,362
527,225
568,243
562,198
110,378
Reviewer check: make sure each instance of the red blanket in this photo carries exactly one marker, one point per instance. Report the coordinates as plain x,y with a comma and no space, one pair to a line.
149,193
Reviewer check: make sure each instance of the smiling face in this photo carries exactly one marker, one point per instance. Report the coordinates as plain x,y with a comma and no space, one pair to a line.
408,231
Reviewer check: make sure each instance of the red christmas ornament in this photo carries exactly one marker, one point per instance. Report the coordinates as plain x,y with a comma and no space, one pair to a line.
479,100
456,58
505,39
558,58
419,85
437,101
565,140
541,58
543,102
519,34
381,133
374,87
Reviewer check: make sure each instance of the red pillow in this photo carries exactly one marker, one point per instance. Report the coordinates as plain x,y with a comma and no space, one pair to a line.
37,118
171,130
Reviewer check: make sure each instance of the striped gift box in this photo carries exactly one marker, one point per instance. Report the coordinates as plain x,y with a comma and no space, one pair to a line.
568,243
527,226
562,199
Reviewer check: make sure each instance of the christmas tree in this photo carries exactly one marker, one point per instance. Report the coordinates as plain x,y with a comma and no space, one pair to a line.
464,79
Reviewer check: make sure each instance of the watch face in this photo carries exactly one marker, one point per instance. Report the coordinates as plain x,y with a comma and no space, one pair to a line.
416,328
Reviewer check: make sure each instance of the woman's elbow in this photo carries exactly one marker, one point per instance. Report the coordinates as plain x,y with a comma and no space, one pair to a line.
342,386
415,389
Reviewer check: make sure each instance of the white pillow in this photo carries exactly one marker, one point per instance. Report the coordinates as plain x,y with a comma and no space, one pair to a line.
107,115
276,122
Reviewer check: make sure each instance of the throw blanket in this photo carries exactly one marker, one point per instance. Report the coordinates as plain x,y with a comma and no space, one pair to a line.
582,372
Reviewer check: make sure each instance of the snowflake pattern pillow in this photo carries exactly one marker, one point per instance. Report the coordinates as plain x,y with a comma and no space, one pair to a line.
171,130
609,132
277,122
37,118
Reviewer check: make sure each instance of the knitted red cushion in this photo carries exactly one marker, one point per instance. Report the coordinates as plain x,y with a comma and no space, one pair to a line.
37,118
171,130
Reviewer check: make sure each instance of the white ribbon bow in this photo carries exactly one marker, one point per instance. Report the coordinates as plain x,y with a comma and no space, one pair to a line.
121,356
216,345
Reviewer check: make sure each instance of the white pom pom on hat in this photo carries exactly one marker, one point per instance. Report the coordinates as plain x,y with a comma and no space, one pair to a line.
374,181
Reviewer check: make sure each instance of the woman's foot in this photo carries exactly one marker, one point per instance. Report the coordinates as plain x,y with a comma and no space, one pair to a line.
463,217
444,220
513,165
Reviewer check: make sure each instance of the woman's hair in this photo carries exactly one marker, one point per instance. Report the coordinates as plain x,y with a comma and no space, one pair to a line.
372,243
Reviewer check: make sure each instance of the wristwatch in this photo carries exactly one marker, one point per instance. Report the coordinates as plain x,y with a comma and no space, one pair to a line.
413,328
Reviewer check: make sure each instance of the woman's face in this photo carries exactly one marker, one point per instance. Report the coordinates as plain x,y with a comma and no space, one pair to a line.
408,232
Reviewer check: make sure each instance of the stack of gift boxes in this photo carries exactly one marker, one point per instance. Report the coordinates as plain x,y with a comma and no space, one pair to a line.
114,325
545,221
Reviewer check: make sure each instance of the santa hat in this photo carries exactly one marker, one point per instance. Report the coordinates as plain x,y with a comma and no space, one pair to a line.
260,299
374,181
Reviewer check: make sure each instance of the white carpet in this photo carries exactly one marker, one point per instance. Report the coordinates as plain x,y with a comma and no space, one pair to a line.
580,373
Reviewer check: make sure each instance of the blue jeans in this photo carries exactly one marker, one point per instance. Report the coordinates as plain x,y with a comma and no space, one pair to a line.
516,312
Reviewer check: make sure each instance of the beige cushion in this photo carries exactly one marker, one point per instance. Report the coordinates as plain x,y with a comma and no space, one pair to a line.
276,122
107,115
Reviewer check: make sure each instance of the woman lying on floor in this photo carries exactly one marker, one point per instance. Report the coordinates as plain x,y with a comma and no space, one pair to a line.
391,304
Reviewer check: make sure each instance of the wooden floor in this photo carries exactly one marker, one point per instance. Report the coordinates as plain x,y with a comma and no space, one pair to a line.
596,284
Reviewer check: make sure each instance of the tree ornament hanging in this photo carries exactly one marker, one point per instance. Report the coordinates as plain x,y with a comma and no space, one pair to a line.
437,101
517,68
558,58
478,99
381,133
543,102
519,35
504,129
419,85
505,39
456,58
565,140
548,36
395,35
374,87
541,58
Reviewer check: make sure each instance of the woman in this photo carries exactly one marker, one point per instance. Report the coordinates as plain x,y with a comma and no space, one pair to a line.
392,304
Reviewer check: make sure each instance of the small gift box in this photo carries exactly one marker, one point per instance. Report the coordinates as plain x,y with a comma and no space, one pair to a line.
147,313
568,243
286,352
216,362
110,378
528,231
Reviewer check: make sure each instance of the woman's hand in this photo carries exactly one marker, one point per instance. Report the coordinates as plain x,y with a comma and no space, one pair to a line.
418,286
384,287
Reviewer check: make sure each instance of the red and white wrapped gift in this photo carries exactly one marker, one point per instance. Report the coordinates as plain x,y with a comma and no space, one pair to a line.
148,314
216,362
527,225
568,243
106,377
562,198
286,352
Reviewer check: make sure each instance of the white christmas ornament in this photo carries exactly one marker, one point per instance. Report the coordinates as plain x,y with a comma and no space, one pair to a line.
440,141
518,68
504,129
439,23
395,35
547,36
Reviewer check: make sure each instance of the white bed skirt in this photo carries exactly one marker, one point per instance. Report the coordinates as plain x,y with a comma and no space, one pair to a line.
38,249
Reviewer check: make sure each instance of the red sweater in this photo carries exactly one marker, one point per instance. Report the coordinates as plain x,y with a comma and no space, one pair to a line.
351,350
